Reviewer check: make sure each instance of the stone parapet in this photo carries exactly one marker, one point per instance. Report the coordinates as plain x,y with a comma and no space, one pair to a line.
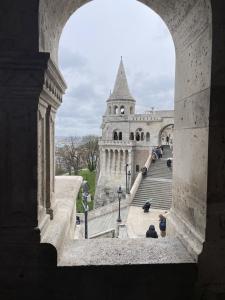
109,143
62,227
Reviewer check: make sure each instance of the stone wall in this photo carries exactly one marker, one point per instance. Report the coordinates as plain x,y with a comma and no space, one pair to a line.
28,268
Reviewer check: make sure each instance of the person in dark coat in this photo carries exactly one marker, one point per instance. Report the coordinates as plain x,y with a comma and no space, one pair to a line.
144,171
167,140
169,163
162,225
146,206
151,233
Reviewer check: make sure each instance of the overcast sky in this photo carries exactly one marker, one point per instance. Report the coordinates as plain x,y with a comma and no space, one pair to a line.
92,42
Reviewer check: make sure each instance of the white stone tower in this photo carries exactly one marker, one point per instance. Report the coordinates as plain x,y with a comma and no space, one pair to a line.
127,139
115,146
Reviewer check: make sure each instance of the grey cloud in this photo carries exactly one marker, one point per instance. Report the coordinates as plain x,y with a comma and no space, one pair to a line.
71,60
155,91
90,51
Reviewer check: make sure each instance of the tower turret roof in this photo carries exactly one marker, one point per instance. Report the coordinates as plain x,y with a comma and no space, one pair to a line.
121,90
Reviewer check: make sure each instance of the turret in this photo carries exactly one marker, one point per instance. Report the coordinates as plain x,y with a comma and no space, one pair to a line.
120,101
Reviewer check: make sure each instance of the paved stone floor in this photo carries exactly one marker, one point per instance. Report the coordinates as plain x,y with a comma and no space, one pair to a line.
124,252
138,222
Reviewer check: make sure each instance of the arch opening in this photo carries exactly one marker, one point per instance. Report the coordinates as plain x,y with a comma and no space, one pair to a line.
189,83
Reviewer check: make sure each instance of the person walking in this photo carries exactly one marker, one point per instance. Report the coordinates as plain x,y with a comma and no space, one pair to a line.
151,232
169,162
146,206
167,140
162,225
158,152
144,171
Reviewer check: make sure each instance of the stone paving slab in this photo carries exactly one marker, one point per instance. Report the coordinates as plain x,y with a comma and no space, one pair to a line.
124,252
138,222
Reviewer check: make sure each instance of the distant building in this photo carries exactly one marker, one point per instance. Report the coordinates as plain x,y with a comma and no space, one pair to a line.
127,138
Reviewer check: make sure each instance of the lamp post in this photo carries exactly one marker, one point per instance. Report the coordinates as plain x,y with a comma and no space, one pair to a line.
119,192
85,206
129,178
126,179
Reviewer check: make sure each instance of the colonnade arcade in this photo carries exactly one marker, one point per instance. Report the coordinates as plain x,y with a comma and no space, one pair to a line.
114,160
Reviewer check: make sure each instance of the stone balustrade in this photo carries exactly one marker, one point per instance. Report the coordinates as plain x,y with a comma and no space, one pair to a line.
116,143
142,117
138,180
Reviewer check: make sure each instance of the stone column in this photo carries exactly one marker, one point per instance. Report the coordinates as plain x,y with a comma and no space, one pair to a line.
211,261
106,161
41,159
122,164
130,167
116,162
113,162
119,161
28,84
103,159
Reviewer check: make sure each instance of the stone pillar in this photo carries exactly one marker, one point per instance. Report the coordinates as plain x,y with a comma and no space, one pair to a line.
119,162
41,159
28,85
116,162
122,161
130,167
211,261
103,159
106,160
50,158
112,168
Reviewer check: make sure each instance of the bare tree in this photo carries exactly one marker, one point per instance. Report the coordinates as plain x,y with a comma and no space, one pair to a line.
70,155
90,151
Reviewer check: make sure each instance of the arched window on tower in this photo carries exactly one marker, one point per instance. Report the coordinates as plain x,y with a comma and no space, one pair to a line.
131,136
115,110
138,137
147,137
122,110
120,136
115,136
142,136
138,134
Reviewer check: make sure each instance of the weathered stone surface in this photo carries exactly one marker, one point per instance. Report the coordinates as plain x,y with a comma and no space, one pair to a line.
197,27
124,252
62,227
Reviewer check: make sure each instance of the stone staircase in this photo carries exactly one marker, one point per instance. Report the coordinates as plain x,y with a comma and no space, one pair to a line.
157,185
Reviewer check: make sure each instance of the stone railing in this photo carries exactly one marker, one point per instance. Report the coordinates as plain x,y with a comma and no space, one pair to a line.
138,180
110,233
61,228
145,117
115,118
116,143
104,210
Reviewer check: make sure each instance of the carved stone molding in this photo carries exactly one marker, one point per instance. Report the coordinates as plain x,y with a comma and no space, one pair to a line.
54,86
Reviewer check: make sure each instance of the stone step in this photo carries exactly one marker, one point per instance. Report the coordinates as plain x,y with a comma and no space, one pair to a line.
157,185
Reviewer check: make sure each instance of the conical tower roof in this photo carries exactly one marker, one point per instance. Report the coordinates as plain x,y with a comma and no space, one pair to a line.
121,90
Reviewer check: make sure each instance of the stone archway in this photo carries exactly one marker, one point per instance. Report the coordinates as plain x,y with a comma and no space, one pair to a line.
161,132
192,42
198,193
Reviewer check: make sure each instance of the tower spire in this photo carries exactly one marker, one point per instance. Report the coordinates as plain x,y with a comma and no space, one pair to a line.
121,90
